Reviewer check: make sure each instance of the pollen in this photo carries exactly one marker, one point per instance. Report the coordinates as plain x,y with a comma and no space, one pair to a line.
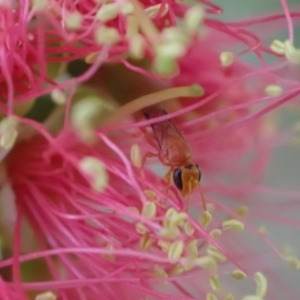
214,283
206,262
58,97
146,242
107,12
176,250
8,132
149,209
96,170
136,156
234,225
215,233
205,219
210,296
226,58
189,228
193,18
238,274
46,296
174,218
273,90
261,284
215,253
73,20
107,35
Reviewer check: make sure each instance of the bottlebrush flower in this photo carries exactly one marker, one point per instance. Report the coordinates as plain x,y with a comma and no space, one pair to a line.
80,220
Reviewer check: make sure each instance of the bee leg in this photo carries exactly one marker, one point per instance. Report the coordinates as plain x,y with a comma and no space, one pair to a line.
168,180
147,155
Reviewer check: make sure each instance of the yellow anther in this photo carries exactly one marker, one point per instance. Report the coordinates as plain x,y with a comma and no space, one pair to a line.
214,283
192,249
273,90
261,284
137,46
293,261
107,35
193,18
229,297
178,269
152,11
109,256
205,262
242,210
189,228
174,34
73,20
95,169
165,66
159,272
216,254
238,274
170,50
126,8
278,47
146,242
205,219
8,132
291,53
170,232
164,245
149,209
175,250
210,296
46,296
141,228
215,233
39,5
226,58
234,225
252,297
58,97
107,12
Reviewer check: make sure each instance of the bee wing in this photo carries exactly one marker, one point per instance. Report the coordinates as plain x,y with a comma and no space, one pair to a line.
162,130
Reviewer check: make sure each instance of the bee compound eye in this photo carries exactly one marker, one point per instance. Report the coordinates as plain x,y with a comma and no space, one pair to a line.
177,178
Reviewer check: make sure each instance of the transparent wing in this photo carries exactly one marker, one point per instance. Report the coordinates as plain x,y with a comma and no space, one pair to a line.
162,130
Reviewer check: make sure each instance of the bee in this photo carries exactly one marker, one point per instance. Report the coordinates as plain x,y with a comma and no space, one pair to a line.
174,152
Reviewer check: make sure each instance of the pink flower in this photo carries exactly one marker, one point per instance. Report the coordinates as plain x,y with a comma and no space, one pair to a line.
79,219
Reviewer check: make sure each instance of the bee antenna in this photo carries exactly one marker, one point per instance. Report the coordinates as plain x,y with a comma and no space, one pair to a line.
202,196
